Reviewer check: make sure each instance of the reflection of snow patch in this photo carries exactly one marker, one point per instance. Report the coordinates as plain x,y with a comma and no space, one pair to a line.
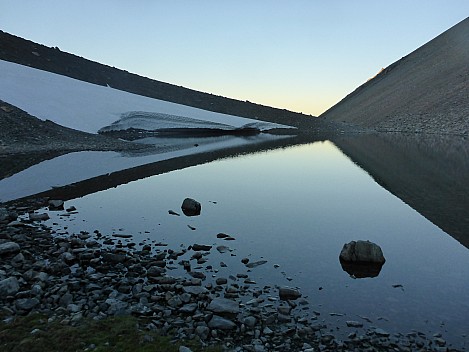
79,166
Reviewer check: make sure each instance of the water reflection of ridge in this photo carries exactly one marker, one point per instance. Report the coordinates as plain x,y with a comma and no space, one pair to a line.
114,179
428,172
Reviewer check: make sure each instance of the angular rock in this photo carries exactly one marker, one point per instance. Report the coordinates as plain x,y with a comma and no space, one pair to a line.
9,287
202,332
191,207
188,308
26,303
56,204
218,322
9,248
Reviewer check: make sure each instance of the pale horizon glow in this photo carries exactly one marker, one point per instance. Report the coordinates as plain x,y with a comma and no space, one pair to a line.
303,56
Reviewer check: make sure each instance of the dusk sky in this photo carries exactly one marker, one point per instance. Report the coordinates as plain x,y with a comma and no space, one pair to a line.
300,55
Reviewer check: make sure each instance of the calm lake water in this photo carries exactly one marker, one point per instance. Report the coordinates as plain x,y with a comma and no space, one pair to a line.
296,207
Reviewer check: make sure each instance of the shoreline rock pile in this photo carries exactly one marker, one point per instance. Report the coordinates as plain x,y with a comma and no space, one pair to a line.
77,276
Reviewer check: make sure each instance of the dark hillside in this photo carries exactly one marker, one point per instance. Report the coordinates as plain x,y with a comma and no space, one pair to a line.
28,53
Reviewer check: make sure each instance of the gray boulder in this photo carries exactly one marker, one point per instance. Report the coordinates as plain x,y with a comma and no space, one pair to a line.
9,287
9,248
362,251
361,259
191,207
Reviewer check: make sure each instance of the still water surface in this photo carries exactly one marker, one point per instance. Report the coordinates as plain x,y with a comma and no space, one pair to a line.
296,207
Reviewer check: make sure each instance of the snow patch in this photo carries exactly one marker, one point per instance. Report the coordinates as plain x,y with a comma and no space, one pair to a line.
88,107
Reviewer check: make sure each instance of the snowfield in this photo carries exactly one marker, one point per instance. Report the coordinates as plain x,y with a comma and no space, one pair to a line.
88,107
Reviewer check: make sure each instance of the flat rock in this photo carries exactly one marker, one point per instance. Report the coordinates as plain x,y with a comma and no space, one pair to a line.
223,306
218,322
255,264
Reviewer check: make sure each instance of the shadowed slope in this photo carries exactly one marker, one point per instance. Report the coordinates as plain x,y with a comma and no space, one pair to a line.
425,91
428,172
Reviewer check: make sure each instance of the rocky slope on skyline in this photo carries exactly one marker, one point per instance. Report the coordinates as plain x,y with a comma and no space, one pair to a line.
425,91
28,53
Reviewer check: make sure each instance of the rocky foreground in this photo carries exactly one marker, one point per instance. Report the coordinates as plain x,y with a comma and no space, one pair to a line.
69,277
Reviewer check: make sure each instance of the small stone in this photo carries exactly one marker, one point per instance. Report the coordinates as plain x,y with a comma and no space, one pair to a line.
201,247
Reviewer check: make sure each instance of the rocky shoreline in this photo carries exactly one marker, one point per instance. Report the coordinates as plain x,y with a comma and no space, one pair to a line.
69,277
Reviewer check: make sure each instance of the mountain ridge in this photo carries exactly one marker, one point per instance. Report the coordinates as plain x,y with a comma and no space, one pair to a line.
424,91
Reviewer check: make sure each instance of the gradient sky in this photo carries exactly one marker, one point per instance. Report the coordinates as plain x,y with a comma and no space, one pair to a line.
300,55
